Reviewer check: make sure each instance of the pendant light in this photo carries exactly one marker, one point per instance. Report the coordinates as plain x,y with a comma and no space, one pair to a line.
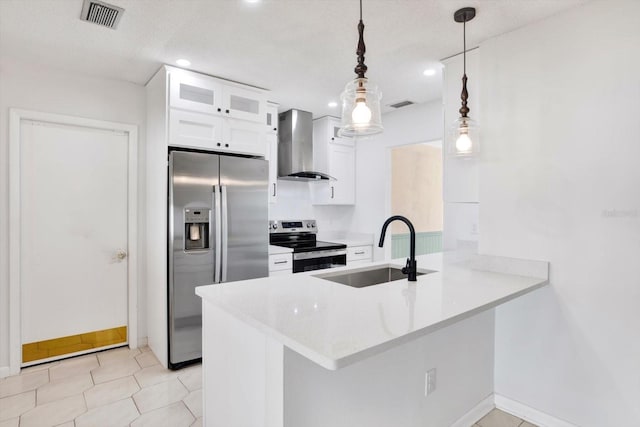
464,139
361,98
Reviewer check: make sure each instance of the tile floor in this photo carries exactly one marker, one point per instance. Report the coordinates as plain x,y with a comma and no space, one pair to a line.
119,387
498,418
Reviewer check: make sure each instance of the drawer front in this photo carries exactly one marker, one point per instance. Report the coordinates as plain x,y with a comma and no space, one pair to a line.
280,262
355,253
194,129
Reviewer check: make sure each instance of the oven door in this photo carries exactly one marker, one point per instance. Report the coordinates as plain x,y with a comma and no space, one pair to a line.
318,260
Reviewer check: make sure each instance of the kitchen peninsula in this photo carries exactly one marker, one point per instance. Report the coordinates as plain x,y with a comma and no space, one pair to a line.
301,350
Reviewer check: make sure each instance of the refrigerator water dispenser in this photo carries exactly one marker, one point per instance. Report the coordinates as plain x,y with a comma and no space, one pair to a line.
196,229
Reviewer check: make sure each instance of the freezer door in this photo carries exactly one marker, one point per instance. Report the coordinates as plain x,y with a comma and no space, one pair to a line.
245,239
192,248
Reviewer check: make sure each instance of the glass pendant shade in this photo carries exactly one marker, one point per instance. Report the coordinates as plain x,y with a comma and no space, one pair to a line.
360,109
463,137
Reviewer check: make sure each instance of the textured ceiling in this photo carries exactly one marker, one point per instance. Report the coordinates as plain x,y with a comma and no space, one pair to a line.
301,50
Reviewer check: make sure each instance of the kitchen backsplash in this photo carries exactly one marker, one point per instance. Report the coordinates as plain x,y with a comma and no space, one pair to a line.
294,202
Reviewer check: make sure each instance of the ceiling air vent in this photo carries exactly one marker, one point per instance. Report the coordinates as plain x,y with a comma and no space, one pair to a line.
401,104
101,13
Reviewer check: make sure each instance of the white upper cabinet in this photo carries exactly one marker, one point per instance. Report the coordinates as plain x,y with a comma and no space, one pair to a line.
244,104
272,118
195,130
272,157
241,136
191,91
272,149
333,126
336,157
212,114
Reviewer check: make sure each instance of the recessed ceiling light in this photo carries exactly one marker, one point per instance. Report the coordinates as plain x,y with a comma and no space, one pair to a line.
183,62
333,104
252,1
429,72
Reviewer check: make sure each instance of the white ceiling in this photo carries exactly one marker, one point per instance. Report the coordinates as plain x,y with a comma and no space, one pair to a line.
302,50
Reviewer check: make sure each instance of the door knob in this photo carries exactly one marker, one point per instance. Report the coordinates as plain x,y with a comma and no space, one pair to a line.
121,254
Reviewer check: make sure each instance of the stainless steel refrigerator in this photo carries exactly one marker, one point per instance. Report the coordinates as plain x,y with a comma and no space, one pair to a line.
218,233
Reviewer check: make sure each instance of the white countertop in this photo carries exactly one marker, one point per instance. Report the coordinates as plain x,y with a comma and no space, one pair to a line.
335,325
276,250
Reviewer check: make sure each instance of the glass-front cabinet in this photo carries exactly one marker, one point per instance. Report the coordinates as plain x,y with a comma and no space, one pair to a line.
244,104
189,91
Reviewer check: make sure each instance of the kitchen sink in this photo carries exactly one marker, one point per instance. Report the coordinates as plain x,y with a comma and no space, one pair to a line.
368,277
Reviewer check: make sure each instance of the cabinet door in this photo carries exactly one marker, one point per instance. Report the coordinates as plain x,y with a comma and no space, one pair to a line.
334,126
272,118
195,130
196,93
241,136
272,157
341,161
245,104
342,167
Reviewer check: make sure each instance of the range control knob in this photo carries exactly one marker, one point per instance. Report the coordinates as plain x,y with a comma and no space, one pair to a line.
273,226
313,225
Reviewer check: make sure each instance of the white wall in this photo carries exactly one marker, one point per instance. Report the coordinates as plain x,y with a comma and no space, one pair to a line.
34,87
559,181
409,125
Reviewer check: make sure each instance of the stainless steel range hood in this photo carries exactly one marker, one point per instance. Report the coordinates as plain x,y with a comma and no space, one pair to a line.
295,147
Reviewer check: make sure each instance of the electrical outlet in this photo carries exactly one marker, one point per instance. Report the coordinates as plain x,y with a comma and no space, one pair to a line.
430,382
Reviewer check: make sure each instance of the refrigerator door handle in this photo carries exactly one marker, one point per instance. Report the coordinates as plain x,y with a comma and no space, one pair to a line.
225,232
216,229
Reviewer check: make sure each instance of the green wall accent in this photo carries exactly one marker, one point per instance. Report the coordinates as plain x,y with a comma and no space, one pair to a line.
426,243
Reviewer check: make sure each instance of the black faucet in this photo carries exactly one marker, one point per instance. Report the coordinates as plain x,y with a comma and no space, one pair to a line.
412,267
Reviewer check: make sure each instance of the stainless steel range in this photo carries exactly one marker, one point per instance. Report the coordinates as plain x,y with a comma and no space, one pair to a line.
308,252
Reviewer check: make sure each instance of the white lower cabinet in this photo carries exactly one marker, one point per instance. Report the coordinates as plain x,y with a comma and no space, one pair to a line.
280,264
357,255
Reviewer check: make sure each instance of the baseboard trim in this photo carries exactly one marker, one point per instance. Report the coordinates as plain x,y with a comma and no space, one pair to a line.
475,413
5,371
528,413
142,342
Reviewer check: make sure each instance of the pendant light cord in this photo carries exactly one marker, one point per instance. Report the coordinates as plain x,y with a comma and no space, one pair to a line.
361,68
464,47
464,96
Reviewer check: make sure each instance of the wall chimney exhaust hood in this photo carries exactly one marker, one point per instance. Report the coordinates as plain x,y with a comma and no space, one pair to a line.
295,147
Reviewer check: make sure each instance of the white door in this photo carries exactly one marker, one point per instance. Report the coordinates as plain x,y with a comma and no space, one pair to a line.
73,237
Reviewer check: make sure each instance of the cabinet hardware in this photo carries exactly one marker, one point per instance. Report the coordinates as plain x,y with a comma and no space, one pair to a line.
332,192
332,139
359,253
219,110
281,262
226,145
274,189
226,111
275,128
218,144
